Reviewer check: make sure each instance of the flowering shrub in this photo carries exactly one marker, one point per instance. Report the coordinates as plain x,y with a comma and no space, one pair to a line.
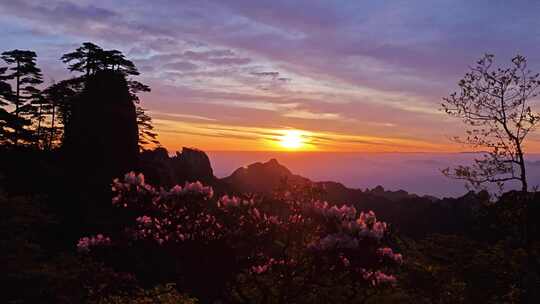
249,249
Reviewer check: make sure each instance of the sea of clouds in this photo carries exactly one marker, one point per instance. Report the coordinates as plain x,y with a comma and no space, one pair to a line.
418,173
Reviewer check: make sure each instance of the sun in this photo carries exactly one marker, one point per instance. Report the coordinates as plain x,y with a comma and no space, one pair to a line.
291,139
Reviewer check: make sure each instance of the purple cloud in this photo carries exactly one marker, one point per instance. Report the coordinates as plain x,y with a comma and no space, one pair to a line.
181,66
360,65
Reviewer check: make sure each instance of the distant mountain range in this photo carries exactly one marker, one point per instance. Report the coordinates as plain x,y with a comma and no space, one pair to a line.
265,177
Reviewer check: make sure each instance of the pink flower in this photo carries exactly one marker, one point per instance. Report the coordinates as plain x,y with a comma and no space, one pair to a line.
116,199
176,189
256,214
227,201
134,179
86,243
260,269
389,253
144,220
345,261
378,277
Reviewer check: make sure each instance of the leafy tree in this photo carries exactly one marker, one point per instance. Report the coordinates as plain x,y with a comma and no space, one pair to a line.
495,105
26,76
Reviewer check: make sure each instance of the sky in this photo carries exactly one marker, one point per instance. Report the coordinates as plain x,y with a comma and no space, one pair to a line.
239,75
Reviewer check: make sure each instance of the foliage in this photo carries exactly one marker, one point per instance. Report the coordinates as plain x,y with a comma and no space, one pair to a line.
90,58
162,294
39,271
147,135
488,265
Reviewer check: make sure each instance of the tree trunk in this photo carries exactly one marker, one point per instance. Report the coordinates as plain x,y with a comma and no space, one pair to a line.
38,137
51,137
17,100
523,173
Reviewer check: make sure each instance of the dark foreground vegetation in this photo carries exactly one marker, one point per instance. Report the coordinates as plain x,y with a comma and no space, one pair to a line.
174,233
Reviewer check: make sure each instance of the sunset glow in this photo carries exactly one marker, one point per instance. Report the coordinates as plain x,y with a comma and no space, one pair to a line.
357,88
292,139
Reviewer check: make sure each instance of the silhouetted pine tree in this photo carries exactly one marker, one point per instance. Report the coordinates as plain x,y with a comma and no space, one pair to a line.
57,99
7,119
90,58
26,76
86,59
63,95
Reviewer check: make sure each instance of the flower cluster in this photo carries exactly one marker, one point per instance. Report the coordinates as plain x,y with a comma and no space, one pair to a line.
232,201
378,278
343,212
387,252
348,230
134,179
194,188
86,243
366,226
259,269
129,191
144,220
284,238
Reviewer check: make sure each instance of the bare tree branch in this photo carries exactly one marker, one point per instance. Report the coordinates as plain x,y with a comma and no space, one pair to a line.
495,105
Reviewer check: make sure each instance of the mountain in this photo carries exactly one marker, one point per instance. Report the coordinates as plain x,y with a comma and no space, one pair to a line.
264,178
189,165
102,129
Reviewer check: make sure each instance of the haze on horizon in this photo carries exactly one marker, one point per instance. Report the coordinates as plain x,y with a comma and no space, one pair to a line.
418,173
346,75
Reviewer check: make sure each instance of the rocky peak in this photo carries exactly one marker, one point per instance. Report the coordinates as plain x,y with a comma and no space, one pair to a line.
188,165
195,164
262,177
269,168
103,128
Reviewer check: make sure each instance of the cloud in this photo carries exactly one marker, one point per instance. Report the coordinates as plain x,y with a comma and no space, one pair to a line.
311,115
206,55
229,61
181,66
182,116
266,74
376,68
216,57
